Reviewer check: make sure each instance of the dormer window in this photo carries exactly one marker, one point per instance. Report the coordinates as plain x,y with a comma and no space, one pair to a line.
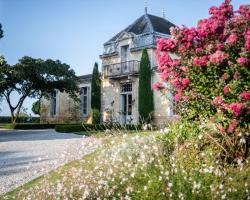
124,53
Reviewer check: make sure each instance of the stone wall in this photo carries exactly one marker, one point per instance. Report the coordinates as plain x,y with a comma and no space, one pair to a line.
68,111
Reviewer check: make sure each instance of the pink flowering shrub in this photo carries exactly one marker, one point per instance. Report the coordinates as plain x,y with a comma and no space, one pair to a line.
209,78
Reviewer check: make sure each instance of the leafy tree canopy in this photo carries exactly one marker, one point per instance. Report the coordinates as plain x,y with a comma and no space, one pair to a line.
35,78
1,31
36,107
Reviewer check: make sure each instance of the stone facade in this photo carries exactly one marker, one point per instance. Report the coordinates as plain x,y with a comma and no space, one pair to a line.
64,109
121,68
119,78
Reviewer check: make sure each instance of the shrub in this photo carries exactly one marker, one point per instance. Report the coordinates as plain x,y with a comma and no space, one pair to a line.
146,105
30,126
69,128
210,76
95,116
7,119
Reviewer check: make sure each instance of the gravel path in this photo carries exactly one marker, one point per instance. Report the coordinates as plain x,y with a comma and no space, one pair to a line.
27,154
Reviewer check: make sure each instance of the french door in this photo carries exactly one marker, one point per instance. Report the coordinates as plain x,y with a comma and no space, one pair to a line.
127,108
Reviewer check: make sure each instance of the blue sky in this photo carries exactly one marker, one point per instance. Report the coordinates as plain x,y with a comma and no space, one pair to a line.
73,31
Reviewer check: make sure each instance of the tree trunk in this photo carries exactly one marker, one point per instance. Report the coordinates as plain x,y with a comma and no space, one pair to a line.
18,111
12,115
12,109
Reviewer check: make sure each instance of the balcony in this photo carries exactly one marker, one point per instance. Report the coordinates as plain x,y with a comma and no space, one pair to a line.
121,69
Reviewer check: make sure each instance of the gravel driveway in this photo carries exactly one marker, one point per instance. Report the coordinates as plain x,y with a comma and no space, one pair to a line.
26,154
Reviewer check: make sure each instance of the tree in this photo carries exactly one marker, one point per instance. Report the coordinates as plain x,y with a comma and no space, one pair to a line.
96,94
36,107
1,62
35,78
1,31
146,103
210,76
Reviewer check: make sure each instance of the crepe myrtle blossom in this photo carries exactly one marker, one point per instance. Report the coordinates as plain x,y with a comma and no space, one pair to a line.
242,61
208,73
218,57
200,61
236,108
218,101
177,97
232,126
185,82
232,39
226,89
158,86
245,96
247,39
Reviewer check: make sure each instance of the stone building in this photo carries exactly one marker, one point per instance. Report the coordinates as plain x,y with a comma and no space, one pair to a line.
61,108
120,67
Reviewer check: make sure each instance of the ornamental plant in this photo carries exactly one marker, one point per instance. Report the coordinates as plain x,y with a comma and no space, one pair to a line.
146,105
207,70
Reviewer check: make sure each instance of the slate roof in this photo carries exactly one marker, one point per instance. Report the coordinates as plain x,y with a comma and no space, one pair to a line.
85,77
147,24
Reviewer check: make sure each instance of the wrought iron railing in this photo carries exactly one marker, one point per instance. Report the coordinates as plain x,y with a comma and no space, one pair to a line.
124,68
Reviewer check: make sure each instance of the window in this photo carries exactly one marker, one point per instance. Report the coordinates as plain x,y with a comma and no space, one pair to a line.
124,53
84,99
126,87
53,105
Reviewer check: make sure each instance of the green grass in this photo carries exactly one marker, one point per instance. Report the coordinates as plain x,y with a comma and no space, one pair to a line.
5,126
137,166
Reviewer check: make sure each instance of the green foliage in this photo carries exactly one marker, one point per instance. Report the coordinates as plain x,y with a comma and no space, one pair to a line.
96,89
7,119
69,128
1,31
135,167
36,107
86,128
35,78
26,126
95,116
146,104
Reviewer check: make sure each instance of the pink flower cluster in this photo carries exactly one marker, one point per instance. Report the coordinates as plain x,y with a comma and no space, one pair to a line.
232,39
201,62
247,38
232,126
242,61
158,86
218,101
166,45
218,47
218,57
236,108
226,89
245,96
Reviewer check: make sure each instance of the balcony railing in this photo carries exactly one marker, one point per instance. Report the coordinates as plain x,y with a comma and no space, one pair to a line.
119,69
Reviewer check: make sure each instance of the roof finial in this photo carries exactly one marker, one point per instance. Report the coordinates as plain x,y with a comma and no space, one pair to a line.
163,13
146,7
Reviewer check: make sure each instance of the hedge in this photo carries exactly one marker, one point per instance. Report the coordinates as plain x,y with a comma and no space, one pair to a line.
69,128
7,119
25,126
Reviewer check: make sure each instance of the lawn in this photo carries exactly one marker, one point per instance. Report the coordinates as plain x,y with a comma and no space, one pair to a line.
141,166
